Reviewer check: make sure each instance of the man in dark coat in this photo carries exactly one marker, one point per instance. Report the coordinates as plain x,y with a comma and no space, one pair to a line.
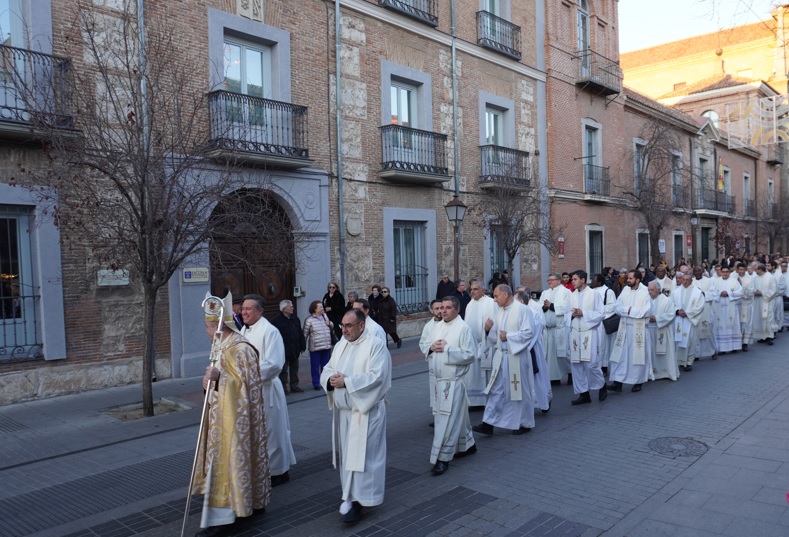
446,287
463,297
289,327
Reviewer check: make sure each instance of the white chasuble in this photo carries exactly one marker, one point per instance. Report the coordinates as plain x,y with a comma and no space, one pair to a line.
519,338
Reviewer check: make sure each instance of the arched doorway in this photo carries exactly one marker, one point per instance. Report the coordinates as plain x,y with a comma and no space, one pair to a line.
252,249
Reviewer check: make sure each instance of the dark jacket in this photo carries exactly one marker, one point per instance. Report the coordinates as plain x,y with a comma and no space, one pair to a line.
445,289
464,298
387,314
292,336
375,306
337,304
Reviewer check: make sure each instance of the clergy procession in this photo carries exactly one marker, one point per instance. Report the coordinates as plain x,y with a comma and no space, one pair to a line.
500,354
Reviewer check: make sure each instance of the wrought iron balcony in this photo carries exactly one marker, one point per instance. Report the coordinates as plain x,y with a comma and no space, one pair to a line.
257,130
713,200
504,167
749,207
413,155
421,10
33,91
498,34
597,180
775,154
679,196
598,73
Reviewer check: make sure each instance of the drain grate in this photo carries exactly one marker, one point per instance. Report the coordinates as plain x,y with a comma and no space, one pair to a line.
673,446
7,425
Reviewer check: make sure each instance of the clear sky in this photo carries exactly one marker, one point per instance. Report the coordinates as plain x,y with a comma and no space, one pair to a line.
645,23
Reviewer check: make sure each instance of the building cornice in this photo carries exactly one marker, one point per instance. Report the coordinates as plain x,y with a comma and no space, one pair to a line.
437,36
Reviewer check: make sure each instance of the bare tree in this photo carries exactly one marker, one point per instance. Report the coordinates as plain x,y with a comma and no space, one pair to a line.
659,180
772,222
134,175
514,216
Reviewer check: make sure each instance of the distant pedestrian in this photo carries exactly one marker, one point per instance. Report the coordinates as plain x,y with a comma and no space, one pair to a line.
446,287
317,331
289,327
334,307
387,315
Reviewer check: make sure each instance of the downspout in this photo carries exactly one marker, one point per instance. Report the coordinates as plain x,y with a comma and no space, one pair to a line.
338,111
144,114
542,135
756,202
693,166
455,101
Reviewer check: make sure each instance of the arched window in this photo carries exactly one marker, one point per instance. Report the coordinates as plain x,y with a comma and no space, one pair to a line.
712,115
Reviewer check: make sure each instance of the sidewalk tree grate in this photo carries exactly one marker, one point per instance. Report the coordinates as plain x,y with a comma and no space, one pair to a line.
673,446
7,425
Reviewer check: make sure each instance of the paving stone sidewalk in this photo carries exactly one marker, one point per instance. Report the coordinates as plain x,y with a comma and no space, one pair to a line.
706,455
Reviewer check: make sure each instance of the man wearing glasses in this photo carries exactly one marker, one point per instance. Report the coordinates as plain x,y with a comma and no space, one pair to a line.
356,380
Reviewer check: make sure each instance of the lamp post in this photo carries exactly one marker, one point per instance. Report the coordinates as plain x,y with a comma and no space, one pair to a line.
694,221
456,210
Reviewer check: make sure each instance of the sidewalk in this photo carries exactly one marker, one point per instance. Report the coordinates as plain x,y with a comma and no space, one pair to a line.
703,456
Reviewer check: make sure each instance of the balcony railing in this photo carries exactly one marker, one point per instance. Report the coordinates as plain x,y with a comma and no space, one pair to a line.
413,154
253,126
713,200
748,207
33,88
599,73
679,196
421,10
502,166
498,34
596,180
411,291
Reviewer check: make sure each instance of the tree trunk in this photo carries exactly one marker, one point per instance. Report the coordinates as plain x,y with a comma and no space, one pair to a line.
149,344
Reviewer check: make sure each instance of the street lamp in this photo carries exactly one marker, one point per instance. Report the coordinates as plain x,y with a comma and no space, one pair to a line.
694,221
456,210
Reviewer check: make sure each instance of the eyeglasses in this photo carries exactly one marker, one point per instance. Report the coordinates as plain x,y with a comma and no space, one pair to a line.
553,279
348,326
385,292
332,287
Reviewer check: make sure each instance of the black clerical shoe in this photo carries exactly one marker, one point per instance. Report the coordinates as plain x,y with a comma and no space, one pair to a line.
636,388
399,343
688,368
214,531
352,516
569,379
521,430
744,347
546,410
770,341
582,399
281,479
602,395
469,451
483,428
615,387
440,467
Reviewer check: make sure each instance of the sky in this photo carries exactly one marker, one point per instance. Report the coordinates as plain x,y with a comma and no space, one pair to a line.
670,20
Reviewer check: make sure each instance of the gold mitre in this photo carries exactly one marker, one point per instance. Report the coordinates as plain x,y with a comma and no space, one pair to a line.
214,307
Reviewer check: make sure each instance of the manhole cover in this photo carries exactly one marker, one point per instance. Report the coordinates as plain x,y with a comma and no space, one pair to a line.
673,446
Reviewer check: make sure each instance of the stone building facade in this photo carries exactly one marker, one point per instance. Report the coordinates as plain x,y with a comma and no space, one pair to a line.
383,222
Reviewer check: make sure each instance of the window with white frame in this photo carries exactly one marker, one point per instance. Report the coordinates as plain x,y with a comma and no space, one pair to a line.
18,294
12,27
594,246
746,194
494,126
594,178
677,189
410,266
643,248
770,198
499,261
639,164
584,36
679,246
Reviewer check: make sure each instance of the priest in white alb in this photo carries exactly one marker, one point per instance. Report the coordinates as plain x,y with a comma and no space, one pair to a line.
664,281
479,309
450,354
425,341
705,347
586,332
543,391
661,332
689,306
728,334
765,290
356,380
510,391
745,277
631,356
554,307
267,340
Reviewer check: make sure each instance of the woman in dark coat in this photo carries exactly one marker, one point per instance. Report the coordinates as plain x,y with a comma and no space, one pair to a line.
387,316
334,306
